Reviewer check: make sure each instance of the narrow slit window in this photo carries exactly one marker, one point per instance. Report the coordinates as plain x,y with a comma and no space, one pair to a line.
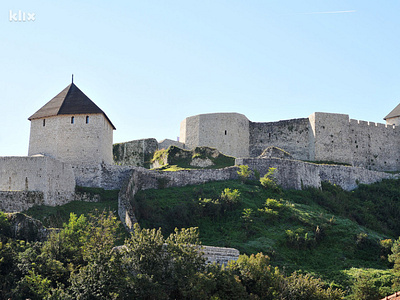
44,122
72,120
225,132
87,119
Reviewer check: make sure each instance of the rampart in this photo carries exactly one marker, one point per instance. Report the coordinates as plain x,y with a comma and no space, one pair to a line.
14,201
320,137
109,177
52,177
296,174
291,135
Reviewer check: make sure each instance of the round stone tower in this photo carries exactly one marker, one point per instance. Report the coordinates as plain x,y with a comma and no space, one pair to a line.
73,129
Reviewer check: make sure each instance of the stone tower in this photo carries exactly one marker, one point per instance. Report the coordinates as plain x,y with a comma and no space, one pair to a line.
228,132
73,129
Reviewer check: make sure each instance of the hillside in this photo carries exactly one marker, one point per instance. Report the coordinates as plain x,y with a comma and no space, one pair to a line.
330,233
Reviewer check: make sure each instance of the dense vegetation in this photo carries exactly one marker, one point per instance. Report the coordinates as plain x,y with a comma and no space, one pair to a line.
81,262
342,237
313,242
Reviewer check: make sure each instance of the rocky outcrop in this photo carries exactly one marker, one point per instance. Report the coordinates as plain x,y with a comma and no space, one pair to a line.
23,227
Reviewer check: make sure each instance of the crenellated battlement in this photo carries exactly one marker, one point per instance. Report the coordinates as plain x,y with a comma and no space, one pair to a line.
320,137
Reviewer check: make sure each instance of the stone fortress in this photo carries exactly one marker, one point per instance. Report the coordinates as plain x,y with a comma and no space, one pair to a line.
320,137
71,143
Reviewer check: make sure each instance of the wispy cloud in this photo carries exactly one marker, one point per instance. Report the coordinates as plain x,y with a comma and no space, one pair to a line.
329,12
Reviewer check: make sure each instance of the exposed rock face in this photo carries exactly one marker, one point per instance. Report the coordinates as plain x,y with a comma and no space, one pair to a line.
26,228
275,152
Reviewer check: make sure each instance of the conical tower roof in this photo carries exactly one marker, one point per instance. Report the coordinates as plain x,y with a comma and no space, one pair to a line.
69,101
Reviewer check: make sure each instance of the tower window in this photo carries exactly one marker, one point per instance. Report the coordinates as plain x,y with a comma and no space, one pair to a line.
87,119
44,122
225,132
72,120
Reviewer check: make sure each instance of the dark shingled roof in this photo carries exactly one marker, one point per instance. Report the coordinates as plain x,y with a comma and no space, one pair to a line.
69,101
394,113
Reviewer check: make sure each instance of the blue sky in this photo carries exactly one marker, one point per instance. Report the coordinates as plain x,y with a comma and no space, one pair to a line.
150,64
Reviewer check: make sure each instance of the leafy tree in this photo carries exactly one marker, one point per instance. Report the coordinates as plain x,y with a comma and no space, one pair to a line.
169,266
101,277
258,276
395,258
306,287
364,288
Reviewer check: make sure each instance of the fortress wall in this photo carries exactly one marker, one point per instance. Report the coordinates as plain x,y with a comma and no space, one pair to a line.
108,177
374,145
166,143
220,255
228,132
295,174
349,177
75,143
290,174
135,153
289,135
331,137
53,178
13,201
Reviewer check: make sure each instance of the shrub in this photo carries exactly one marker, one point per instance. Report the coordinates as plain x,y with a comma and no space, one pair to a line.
230,198
244,172
268,181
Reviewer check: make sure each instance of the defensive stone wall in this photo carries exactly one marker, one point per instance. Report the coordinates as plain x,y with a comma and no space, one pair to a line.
14,201
295,174
74,141
320,137
291,135
164,144
52,177
136,153
374,146
108,177
220,255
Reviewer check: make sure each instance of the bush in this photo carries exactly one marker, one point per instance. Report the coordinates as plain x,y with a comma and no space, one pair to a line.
268,181
244,172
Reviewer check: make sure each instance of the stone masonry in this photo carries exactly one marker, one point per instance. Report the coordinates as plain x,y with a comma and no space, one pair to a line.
320,137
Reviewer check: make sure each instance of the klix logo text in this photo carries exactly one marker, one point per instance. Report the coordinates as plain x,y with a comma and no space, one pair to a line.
21,16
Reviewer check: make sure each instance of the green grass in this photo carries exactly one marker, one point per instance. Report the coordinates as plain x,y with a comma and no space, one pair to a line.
56,216
324,232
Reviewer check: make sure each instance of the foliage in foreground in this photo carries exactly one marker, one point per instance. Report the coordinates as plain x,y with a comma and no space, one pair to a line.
81,262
